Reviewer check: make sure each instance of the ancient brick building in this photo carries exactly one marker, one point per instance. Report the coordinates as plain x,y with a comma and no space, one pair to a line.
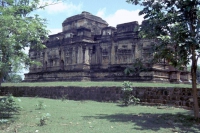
89,49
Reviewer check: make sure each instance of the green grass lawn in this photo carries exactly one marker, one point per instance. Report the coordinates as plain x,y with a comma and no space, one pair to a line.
95,117
103,83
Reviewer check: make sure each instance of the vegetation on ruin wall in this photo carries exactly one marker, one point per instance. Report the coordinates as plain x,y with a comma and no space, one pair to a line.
100,84
97,117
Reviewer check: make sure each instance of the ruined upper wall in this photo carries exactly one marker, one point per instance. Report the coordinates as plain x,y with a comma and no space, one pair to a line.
87,20
128,27
90,27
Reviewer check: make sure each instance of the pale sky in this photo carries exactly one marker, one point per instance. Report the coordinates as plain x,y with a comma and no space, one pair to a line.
113,11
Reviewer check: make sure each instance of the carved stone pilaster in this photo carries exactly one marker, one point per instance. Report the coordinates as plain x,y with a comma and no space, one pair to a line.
109,54
133,52
84,48
116,56
76,54
90,55
70,55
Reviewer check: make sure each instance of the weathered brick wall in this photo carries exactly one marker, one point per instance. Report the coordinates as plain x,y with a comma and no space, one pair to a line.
175,96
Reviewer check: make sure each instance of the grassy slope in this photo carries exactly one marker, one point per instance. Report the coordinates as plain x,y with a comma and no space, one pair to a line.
95,117
87,84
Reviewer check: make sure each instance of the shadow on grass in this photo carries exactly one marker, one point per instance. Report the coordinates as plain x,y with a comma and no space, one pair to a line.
7,121
146,121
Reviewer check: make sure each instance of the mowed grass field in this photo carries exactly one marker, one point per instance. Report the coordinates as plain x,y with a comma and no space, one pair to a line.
100,84
96,117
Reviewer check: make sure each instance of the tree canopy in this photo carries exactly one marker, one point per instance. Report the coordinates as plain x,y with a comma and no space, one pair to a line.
19,28
176,25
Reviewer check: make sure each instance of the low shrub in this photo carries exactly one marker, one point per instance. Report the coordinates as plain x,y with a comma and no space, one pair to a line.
64,97
8,107
40,105
44,119
127,94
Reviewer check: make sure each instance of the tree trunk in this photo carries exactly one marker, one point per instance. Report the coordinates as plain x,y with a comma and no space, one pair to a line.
1,78
194,84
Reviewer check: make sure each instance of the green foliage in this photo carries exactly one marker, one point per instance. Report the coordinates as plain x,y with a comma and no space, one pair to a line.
20,28
3,121
175,24
64,97
8,107
136,68
13,78
40,105
127,94
43,119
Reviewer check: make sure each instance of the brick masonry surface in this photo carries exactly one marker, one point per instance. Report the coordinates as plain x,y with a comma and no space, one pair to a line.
154,95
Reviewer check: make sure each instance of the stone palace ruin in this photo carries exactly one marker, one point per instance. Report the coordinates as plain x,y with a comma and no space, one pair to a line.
88,49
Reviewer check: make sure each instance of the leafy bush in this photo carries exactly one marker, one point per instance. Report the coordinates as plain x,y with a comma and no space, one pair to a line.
64,97
13,78
3,121
135,68
127,94
8,107
44,119
40,105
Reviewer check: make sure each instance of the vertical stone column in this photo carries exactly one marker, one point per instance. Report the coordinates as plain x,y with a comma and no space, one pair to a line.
100,56
97,55
185,77
133,53
73,55
65,56
87,55
90,55
76,54
84,48
116,56
174,76
70,55
109,54
112,54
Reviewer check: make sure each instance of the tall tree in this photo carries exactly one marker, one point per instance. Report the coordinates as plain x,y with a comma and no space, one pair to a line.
18,29
176,24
